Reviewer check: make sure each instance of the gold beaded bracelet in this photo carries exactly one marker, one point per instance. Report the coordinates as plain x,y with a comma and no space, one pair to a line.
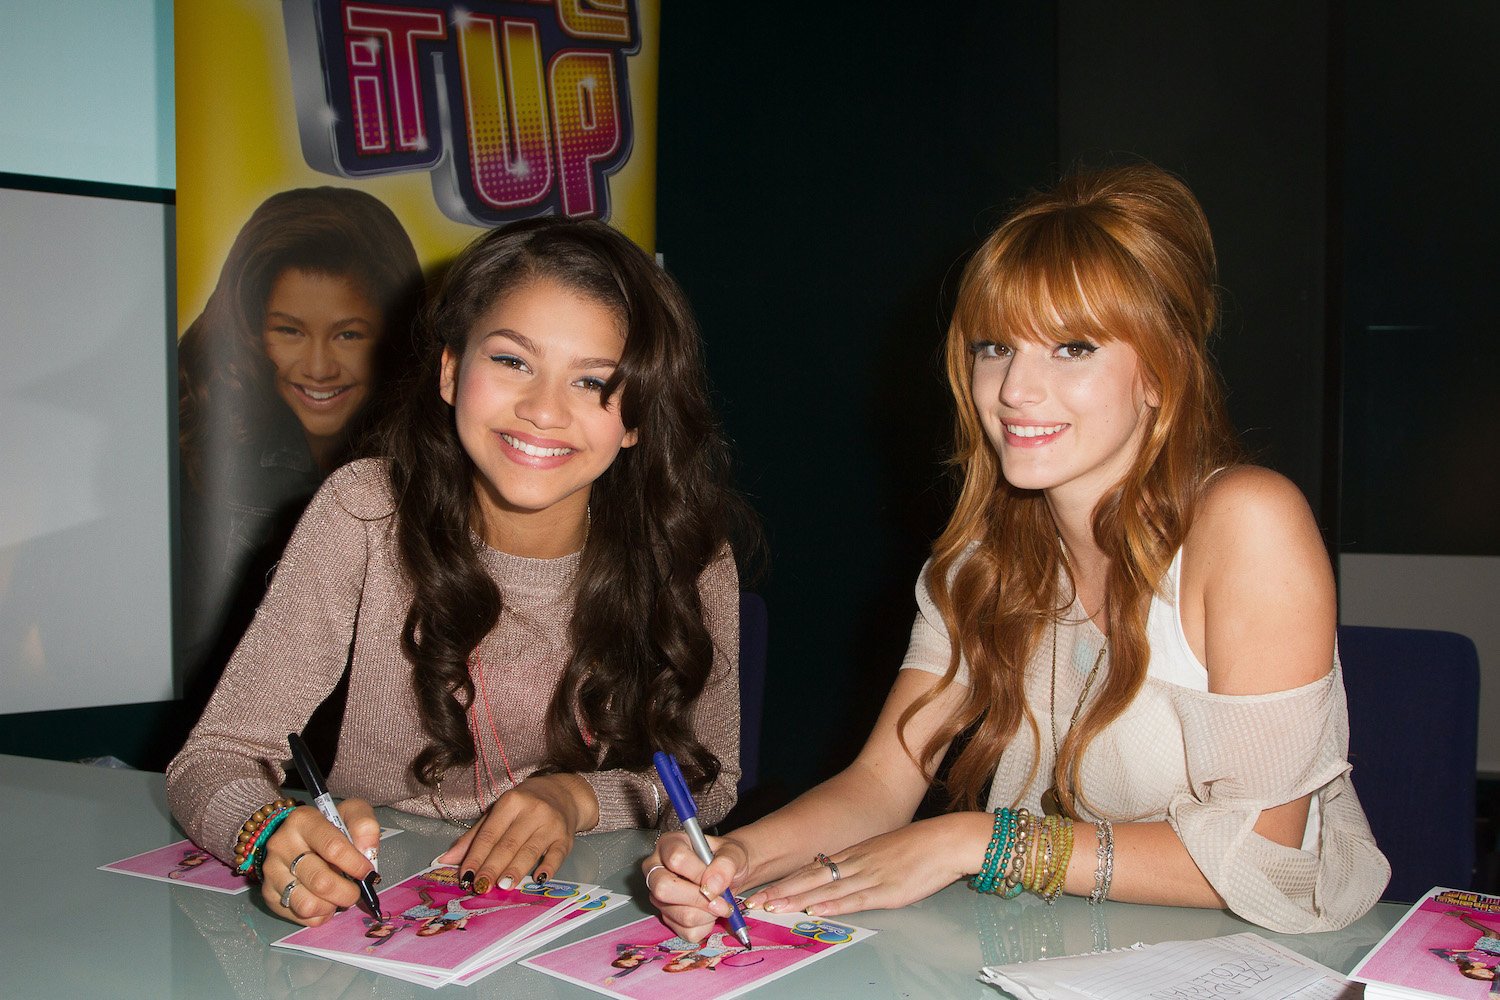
1064,853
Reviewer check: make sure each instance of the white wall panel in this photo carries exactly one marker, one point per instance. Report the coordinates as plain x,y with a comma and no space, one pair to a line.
85,389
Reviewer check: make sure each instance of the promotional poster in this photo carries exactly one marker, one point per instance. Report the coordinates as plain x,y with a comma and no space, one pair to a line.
332,156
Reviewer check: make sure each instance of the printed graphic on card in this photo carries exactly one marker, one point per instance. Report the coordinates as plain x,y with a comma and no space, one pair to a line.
433,924
184,863
645,960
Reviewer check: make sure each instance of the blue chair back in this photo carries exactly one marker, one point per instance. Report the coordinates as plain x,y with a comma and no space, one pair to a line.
1413,738
754,622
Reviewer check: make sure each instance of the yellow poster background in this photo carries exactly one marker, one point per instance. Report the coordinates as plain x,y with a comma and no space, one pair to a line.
237,143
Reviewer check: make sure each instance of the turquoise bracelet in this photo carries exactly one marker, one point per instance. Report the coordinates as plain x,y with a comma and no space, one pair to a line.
256,856
996,853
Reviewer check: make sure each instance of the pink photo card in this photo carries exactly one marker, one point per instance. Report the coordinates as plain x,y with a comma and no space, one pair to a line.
182,863
433,925
645,960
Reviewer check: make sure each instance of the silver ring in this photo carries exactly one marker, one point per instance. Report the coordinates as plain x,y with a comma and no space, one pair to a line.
292,868
652,871
827,862
286,895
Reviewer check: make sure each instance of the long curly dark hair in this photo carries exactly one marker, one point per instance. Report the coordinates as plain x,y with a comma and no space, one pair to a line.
226,391
661,512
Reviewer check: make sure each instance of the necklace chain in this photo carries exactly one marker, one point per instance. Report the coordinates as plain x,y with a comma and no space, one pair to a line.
1088,684
481,757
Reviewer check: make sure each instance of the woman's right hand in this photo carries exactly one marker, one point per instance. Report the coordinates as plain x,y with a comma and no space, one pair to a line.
326,861
690,894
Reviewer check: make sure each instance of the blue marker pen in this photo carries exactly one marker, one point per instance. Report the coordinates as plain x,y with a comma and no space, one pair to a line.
687,813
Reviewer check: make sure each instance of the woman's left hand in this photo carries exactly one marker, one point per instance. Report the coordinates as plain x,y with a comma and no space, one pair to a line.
887,871
529,828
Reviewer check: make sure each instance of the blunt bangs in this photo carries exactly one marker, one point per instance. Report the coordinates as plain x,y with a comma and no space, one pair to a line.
1056,278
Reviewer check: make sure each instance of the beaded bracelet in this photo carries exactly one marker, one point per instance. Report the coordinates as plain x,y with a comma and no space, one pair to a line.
996,852
249,849
257,854
994,874
1040,870
1104,870
1063,831
1030,853
1013,878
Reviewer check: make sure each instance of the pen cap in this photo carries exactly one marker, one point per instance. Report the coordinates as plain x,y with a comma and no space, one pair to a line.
677,789
302,759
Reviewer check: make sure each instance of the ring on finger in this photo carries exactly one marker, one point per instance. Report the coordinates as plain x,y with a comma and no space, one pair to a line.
286,895
827,862
292,868
652,871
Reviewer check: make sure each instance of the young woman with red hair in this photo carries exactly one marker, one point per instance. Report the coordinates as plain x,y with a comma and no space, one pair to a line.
1125,635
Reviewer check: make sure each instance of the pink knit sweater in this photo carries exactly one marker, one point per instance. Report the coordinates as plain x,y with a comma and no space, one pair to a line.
339,597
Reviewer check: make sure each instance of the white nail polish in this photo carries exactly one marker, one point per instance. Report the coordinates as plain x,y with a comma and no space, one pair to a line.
372,855
506,882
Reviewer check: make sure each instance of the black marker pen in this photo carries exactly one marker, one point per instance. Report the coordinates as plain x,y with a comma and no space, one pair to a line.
313,779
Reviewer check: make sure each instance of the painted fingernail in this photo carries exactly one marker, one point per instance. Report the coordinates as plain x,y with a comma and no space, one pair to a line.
771,907
706,893
467,880
481,885
541,877
507,882
372,855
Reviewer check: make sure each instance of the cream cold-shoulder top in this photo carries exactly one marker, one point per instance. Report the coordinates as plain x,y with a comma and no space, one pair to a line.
1206,763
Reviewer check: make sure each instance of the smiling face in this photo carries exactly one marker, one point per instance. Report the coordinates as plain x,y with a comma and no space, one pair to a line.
1066,418
320,332
527,403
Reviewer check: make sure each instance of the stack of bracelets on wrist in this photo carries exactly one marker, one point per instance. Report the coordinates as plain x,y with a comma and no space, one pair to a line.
250,849
1104,870
1026,853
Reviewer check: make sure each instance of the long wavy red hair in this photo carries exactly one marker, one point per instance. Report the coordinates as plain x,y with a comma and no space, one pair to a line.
1121,254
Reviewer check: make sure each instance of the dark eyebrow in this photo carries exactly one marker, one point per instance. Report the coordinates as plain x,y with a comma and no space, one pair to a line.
527,344
520,339
276,313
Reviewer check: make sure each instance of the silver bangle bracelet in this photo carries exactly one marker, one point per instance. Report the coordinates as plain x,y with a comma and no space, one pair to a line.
1104,869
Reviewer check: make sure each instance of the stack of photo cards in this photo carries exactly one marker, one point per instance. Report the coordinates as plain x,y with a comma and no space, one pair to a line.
644,959
435,932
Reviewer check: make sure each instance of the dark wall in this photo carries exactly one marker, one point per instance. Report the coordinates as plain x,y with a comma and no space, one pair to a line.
1421,462
1231,97
822,173
822,177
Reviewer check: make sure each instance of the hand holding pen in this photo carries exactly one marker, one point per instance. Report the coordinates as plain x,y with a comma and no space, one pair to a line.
313,865
687,813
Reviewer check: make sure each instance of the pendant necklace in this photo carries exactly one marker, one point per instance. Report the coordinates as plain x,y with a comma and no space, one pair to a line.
1051,800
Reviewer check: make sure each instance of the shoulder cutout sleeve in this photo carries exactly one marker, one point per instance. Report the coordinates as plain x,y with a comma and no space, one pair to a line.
1246,753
